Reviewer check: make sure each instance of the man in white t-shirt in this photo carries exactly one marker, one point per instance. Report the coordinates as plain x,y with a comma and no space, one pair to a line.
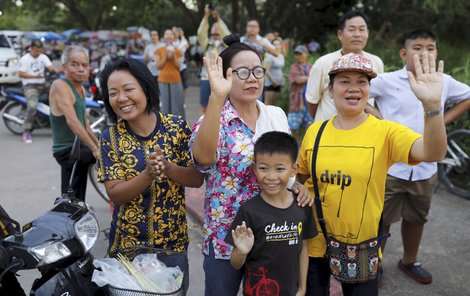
353,32
253,38
409,189
31,71
149,54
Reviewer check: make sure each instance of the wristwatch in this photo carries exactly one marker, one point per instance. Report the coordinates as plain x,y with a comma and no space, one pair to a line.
432,112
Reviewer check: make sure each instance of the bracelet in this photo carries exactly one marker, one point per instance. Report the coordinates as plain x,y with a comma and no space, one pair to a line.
432,112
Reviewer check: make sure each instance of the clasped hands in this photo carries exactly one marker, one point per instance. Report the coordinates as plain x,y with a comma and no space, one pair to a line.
157,164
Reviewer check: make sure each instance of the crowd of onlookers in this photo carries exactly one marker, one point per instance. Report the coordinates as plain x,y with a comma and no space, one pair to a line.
369,143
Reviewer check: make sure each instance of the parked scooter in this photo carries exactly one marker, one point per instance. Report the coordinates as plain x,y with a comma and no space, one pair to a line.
15,103
58,244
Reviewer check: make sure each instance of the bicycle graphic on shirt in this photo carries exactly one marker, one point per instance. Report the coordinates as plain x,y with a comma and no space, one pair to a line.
263,287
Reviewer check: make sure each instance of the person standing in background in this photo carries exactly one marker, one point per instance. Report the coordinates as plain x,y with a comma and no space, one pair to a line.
210,44
182,44
274,75
150,54
68,120
252,38
169,80
298,117
353,32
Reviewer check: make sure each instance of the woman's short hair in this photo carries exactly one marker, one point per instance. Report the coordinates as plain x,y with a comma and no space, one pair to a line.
141,74
234,46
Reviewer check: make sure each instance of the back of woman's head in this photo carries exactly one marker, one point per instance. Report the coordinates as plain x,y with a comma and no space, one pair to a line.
234,46
143,76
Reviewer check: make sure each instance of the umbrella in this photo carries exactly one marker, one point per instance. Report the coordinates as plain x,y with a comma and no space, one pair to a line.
44,36
71,32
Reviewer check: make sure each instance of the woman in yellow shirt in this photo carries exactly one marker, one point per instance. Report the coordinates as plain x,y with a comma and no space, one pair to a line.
354,154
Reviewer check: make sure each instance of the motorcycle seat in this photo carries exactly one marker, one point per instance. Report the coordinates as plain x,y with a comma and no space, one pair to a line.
44,98
15,90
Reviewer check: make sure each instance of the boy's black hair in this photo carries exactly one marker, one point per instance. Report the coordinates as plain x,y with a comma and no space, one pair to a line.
277,142
418,34
349,15
141,74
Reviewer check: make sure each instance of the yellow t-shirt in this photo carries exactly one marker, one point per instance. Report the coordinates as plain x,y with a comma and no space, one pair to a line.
351,170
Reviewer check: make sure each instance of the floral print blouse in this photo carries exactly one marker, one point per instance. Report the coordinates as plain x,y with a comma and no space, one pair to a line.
231,181
155,218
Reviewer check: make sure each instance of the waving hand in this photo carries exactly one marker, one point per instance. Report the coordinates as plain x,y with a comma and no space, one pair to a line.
220,86
427,84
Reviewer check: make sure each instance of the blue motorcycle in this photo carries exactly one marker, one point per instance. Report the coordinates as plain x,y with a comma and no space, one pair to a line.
14,103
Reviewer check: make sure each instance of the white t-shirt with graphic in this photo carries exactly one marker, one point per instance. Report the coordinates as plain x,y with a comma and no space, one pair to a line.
34,66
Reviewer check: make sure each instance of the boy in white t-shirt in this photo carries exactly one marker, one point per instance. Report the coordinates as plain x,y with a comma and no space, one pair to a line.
409,189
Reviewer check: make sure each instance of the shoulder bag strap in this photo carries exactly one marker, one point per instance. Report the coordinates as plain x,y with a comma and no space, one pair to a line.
317,200
318,206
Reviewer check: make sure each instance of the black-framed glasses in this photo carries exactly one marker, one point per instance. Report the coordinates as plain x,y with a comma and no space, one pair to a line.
244,72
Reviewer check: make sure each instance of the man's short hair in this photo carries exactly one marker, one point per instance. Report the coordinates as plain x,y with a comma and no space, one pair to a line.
277,142
419,34
252,20
349,15
71,50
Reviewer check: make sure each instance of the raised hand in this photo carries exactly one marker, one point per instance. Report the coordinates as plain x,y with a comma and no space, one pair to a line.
243,238
427,84
207,11
220,86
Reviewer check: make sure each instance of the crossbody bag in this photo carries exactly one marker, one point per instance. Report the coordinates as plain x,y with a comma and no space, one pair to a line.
349,263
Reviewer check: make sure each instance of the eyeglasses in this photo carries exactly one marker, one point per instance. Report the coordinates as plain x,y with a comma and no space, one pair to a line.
243,72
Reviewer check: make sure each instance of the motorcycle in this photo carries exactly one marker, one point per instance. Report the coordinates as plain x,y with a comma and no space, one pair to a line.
14,103
58,244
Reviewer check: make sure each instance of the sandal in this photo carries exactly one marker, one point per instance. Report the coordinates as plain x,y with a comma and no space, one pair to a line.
416,271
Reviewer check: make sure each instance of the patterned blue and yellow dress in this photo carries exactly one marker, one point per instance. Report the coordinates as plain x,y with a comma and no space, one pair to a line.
156,218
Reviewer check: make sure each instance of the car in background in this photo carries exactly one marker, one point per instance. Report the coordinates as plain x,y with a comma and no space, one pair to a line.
16,39
9,62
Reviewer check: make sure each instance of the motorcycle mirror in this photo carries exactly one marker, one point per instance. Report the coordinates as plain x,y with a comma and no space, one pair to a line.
75,156
11,226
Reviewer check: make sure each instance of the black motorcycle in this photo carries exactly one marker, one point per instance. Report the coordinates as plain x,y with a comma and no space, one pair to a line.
58,244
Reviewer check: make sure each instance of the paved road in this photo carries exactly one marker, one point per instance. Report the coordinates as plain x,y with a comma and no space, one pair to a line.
30,180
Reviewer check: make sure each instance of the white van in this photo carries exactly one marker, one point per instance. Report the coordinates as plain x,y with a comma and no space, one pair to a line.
9,60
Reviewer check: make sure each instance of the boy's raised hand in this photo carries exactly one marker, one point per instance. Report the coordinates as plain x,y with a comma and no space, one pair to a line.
243,238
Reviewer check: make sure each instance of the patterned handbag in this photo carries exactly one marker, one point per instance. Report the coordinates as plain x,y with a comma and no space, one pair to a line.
349,263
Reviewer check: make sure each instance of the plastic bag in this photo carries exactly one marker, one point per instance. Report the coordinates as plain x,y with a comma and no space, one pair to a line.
167,279
113,273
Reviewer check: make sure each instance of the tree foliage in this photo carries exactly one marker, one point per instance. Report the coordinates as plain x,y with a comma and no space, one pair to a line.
302,20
